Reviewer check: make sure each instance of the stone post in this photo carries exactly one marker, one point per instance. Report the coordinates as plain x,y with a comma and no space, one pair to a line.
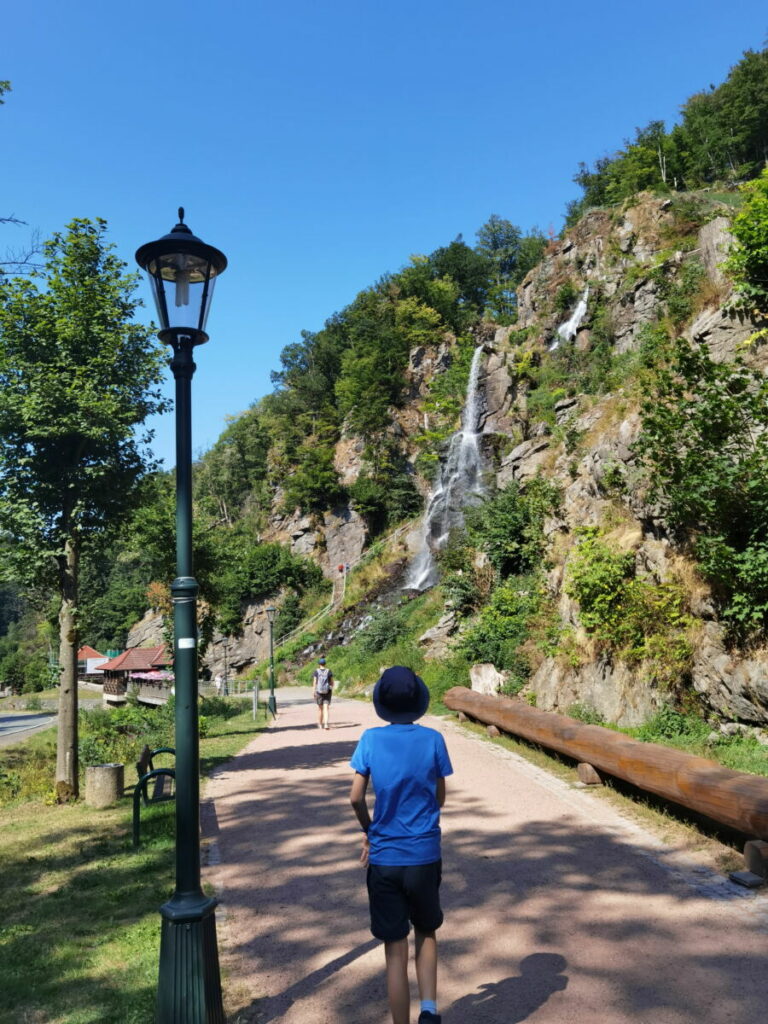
104,784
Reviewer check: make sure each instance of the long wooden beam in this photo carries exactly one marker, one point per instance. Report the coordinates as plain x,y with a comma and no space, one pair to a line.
732,798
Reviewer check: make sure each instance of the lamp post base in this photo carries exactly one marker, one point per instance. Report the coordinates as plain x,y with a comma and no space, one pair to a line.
189,986
272,705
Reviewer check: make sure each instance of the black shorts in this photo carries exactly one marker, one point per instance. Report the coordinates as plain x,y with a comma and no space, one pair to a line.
323,698
399,895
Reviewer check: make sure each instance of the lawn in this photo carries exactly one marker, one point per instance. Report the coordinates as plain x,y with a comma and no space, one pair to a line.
80,931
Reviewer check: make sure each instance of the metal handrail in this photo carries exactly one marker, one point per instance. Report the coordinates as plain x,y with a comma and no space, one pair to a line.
335,601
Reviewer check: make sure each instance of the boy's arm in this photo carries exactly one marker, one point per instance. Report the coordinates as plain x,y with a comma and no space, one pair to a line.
357,799
440,792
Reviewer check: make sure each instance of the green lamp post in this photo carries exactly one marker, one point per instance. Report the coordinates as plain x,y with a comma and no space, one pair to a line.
182,271
271,616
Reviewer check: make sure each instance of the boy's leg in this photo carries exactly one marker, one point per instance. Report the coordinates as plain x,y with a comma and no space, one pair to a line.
426,964
319,712
398,991
326,712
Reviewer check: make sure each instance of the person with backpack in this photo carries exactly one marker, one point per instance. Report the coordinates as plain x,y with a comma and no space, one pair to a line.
322,688
408,764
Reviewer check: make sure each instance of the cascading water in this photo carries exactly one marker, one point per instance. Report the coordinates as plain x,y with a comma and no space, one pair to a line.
568,330
460,484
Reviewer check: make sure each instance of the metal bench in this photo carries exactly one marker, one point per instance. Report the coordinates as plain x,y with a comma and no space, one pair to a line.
162,779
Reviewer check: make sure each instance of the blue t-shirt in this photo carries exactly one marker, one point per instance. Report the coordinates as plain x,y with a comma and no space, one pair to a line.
404,763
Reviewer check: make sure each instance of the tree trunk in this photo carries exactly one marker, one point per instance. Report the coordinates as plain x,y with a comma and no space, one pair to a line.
66,745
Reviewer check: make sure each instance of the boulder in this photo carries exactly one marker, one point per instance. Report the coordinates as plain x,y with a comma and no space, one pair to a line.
435,639
486,679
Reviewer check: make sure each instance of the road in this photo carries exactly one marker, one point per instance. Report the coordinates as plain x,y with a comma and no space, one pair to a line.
558,909
14,728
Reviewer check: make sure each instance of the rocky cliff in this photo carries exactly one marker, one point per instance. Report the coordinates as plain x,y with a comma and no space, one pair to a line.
597,290
624,265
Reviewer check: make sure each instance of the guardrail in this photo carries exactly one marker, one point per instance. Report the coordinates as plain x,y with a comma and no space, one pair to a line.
731,798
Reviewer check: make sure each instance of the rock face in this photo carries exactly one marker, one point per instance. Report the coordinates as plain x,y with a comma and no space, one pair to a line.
336,538
736,687
624,261
436,640
239,653
615,692
147,632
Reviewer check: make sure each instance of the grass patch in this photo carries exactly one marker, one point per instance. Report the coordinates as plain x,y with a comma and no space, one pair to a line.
391,638
80,934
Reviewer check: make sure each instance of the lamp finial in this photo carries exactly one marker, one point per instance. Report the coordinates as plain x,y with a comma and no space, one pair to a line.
181,215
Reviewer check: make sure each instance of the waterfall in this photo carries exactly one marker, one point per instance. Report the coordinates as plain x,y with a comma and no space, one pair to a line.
567,331
459,485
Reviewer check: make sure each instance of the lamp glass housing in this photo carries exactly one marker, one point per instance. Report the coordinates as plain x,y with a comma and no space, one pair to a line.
182,287
271,613
182,270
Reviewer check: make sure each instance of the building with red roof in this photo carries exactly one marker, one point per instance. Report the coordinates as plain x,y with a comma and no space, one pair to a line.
89,661
144,669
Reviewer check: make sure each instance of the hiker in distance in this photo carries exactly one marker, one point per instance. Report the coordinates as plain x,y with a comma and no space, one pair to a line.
408,764
322,688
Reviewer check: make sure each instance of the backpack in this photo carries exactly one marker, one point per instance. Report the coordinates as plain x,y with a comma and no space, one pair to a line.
322,679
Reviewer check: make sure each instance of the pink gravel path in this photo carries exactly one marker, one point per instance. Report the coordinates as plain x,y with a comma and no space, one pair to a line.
557,908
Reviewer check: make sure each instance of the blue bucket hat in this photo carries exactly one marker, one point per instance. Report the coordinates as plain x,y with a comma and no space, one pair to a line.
400,696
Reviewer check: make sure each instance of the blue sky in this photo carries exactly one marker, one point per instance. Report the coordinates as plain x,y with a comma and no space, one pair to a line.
320,145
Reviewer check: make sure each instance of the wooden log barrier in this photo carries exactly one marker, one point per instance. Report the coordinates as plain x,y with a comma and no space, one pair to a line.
731,798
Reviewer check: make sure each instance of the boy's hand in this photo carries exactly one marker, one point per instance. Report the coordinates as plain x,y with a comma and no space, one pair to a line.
365,851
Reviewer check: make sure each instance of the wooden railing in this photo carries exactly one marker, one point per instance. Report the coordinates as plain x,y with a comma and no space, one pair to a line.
731,798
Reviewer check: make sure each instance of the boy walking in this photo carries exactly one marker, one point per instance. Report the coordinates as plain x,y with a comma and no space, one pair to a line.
322,689
408,764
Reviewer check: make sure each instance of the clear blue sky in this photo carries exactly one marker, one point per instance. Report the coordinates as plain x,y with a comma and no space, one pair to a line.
321,144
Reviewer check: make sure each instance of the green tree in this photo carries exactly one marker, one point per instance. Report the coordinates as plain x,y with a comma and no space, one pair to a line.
513,255
79,376
234,471
509,525
705,447
314,485
747,261
470,270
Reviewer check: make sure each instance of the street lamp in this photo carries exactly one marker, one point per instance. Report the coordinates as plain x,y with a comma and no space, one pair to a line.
182,270
272,705
226,667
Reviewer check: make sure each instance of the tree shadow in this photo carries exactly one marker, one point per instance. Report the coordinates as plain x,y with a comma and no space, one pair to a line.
290,831
79,890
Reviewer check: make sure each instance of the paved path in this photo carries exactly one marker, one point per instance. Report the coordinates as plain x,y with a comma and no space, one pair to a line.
557,909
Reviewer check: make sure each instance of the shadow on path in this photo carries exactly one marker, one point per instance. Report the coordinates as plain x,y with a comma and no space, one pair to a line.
556,883
513,999
273,1007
